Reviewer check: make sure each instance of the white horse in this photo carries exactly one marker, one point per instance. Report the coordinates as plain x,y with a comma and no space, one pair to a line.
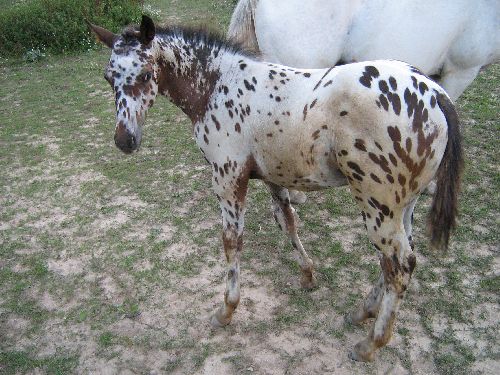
380,127
450,40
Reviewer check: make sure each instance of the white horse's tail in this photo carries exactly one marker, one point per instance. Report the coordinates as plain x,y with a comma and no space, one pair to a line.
242,26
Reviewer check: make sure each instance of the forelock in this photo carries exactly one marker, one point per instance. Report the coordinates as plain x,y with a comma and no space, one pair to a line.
128,41
130,34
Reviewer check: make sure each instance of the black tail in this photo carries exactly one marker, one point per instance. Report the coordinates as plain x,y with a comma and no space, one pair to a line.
442,218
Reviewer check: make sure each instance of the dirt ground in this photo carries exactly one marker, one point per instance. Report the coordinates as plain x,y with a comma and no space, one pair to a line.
113,264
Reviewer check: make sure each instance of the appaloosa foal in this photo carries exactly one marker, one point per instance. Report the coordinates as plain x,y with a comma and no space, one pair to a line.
382,127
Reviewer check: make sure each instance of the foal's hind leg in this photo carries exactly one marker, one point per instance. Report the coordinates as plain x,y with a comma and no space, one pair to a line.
297,197
397,262
284,214
372,302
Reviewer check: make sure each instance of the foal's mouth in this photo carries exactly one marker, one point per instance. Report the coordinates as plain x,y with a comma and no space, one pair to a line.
125,140
127,144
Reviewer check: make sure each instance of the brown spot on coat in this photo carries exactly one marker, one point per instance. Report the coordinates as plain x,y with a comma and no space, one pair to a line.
355,167
216,122
375,178
422,87
393,83
382,84
401,179
384,102
408,144
360,144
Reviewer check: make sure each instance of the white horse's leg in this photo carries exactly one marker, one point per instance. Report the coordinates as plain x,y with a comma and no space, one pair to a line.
431,188
232,204
455,80
242,28
397,262
297,197
284,214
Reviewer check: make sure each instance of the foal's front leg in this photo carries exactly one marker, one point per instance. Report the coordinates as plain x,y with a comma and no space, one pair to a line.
284,214
232,203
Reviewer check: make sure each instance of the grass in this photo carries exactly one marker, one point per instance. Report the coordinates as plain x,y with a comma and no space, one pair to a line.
114,262
8,3
20,362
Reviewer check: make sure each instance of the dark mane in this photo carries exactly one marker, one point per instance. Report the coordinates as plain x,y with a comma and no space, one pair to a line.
209,39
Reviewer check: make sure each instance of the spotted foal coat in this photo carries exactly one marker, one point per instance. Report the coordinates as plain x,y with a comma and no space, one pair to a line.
381,127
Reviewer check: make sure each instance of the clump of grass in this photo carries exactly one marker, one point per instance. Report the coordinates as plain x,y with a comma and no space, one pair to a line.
37,27
15,362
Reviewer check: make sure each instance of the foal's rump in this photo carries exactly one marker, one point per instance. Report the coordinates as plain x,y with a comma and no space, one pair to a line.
391,133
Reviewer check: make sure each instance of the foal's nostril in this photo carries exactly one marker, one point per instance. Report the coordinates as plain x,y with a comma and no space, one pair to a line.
125,142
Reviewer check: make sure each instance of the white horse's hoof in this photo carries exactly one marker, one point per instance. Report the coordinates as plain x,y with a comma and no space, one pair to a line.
297,197
431,188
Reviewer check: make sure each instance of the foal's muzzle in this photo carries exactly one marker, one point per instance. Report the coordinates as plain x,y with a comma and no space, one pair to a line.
124,140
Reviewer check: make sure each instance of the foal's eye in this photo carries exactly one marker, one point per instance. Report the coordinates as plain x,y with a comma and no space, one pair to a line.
147,76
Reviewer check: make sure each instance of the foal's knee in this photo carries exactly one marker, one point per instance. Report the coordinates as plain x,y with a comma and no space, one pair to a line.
397,272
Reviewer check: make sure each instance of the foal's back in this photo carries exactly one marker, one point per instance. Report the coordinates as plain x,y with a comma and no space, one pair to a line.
299,131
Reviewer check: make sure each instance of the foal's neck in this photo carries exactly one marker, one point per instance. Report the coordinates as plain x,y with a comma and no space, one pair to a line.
190,72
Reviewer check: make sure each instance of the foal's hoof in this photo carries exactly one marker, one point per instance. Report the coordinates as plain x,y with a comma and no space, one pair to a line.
308,280
297,197
362,352
218,321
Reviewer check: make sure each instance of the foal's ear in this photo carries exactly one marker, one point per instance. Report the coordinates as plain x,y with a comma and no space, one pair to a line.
104,36
147,30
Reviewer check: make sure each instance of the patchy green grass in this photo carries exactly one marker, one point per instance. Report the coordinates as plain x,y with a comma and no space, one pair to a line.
8,3
20,362
111,262
212,14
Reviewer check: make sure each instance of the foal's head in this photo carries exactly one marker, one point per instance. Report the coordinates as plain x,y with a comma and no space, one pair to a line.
133,74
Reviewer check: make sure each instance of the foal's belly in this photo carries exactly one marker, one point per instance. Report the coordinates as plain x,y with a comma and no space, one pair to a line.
309,182
299,166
